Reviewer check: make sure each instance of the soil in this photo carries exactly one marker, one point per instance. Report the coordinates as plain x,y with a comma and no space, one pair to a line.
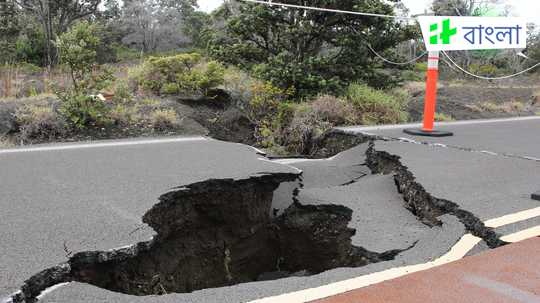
210,114
214,114
472,101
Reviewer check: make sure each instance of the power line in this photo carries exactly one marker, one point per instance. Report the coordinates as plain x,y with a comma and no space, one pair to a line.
395,62
383,16
329,10
486,78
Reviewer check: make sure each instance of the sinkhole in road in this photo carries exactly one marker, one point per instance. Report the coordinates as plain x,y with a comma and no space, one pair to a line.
219,233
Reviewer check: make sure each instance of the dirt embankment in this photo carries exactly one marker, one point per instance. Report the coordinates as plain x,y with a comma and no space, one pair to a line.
478,102
214,114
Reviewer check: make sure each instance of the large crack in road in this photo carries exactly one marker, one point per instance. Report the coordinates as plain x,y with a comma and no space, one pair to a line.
224,232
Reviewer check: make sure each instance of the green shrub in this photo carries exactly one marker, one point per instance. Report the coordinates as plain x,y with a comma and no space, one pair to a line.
421,66
212,75
487,70
180,73
7,51
270,111
123,115
312,75
409,75
31,47
39,122
377,107
77,47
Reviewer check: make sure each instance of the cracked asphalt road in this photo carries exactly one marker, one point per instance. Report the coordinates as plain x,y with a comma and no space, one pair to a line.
61,199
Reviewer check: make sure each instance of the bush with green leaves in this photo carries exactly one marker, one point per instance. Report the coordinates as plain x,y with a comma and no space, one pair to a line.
376,106
180,73
486,70
77,46
535,98
270,111
420,66
29,47
409,75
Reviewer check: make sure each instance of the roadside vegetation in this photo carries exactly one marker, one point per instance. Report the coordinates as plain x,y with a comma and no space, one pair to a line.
102,70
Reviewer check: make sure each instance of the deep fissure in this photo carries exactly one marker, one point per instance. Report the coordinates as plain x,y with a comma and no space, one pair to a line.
220,232
421,203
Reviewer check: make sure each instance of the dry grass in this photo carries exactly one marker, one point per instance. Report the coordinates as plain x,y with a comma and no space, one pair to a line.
490,107
24,81
439,117
315,117
164,119
5,142
504,108
514,105
39,122
535,98
474,108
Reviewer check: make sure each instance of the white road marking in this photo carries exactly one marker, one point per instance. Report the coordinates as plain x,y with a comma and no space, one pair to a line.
100,144
513,218
361,128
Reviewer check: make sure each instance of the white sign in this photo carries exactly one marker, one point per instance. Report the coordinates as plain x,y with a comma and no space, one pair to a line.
461,33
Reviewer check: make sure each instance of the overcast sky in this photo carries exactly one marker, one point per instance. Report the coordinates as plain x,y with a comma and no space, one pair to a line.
529,9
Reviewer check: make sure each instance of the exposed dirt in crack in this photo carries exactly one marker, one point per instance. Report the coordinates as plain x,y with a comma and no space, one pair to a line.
218,233
423,204
304,238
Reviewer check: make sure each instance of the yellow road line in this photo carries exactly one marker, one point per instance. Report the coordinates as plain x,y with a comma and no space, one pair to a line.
458,251
522,235
513,218
464,245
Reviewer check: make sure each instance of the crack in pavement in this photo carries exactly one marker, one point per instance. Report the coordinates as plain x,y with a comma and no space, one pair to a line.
429,209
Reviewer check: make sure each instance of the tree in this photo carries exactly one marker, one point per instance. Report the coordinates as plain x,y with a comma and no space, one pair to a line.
311,50
193,26
451,7
55,16
532,51
8,21
108,16
184,7
151,27
9,29
77,47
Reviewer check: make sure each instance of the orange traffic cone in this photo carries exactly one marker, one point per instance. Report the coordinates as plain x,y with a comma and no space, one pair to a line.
431,95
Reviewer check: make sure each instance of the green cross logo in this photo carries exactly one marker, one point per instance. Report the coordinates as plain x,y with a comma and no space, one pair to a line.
445,34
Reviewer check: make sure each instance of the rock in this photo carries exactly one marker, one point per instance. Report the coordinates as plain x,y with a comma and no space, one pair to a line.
8,124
